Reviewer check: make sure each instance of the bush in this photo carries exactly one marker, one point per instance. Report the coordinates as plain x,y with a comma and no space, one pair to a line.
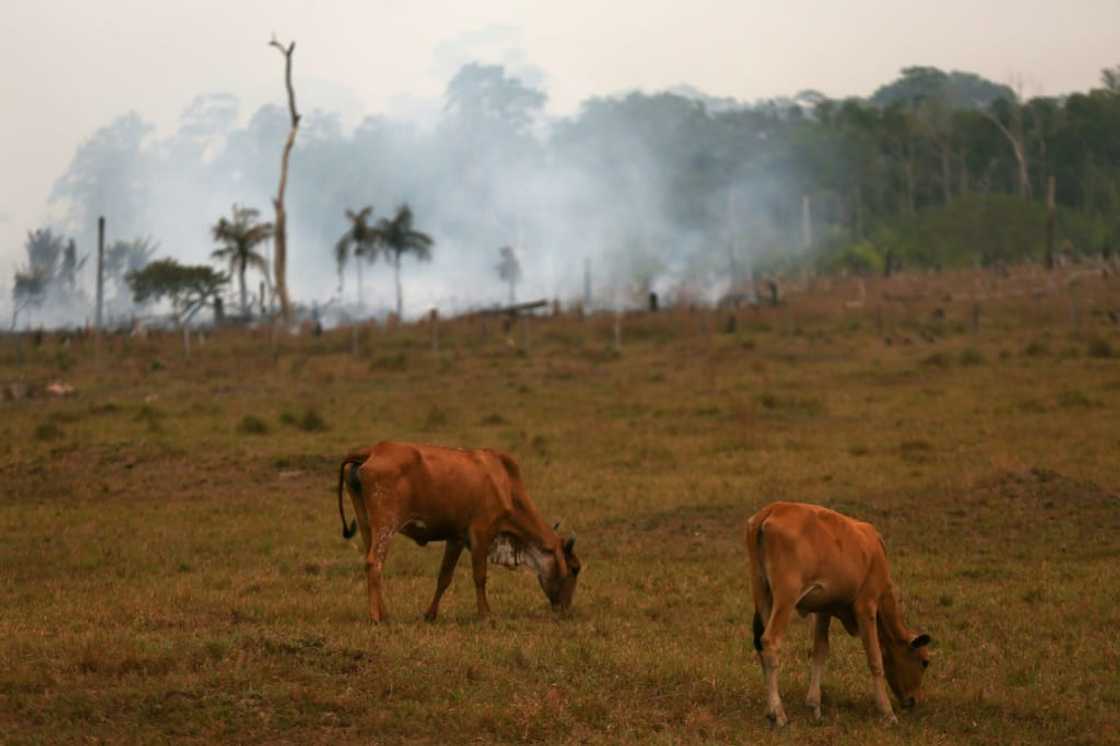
310,421
805,406
48,431
915,451
1099,347
437,418
390,362
1074,398
971,356
252,425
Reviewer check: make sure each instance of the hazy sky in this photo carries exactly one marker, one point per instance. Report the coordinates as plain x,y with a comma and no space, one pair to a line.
70,66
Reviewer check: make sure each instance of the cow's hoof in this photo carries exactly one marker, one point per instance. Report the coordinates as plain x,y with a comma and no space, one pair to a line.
777,719
890,719
816,712
429,616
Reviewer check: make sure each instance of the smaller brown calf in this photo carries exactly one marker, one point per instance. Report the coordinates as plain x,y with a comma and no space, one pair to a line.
815,560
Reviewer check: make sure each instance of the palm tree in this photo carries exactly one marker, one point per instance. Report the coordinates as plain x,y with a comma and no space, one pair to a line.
361,240
397,238
239,237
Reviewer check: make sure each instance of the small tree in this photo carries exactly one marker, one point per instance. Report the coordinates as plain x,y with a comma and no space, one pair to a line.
190,288
398,237
509,270
361,240
239,237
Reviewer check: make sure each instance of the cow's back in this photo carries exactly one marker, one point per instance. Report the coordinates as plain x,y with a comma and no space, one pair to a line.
811,545
440,482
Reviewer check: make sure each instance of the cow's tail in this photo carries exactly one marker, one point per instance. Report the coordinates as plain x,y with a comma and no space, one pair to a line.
354,459
760,585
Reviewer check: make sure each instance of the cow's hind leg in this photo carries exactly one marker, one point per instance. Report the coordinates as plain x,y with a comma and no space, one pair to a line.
361,515
780,613
820,653
446,572
382,529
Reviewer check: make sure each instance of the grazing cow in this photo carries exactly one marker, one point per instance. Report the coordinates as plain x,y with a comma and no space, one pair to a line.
818,561
467,498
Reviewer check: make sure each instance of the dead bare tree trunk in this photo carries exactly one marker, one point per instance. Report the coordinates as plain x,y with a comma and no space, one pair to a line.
1018,147
280,227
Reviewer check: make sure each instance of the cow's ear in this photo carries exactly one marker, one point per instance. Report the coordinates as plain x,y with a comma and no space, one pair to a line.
920,641
569,544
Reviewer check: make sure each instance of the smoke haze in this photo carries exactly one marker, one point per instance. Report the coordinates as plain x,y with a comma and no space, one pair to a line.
483,169
572,182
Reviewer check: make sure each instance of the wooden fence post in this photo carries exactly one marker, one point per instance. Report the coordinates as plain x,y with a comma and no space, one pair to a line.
433,320
100,269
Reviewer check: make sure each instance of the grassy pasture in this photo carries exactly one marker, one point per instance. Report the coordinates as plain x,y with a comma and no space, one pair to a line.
171,566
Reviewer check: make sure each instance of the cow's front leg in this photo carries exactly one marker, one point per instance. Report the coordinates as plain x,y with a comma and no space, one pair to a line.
820,653
480,552
381,532
869,634
446,572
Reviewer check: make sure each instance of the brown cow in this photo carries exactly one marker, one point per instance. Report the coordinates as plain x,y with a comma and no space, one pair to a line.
818,561
467,498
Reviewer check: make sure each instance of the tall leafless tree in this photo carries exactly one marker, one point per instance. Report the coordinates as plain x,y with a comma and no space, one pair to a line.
280,225
1016,138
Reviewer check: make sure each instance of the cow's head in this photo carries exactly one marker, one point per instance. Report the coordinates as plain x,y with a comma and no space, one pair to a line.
558,581
905,662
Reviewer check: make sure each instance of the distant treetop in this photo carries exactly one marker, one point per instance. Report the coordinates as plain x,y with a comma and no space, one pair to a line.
960,90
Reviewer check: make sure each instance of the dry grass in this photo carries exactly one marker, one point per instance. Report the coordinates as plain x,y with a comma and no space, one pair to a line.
170,566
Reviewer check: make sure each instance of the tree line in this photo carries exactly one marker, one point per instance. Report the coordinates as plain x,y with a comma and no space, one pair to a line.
935,169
